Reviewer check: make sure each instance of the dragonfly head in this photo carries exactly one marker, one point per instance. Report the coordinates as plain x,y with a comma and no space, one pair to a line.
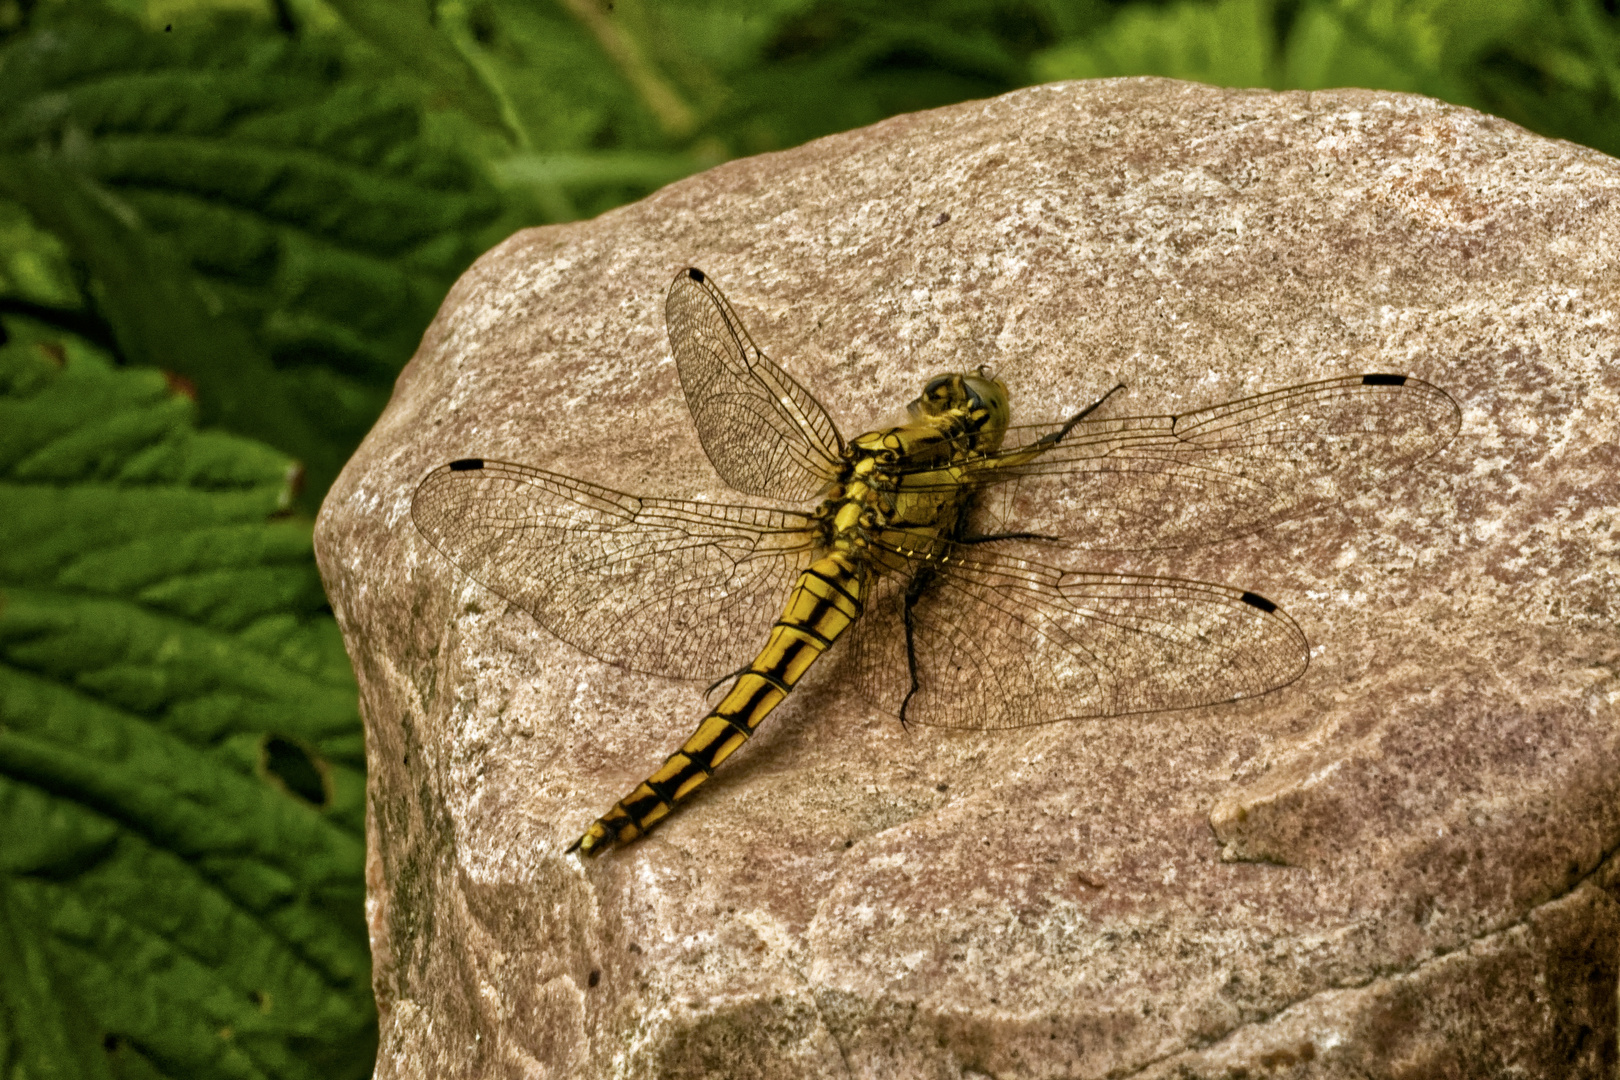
976,401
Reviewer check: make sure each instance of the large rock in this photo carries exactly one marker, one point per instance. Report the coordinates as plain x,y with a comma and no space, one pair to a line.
1400,865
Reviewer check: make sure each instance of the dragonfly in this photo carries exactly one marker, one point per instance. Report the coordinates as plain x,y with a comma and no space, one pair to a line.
941,621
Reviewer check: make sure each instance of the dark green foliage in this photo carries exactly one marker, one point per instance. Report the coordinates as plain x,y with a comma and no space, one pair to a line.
244,215
886,59
601,102
180,756
1553,65
405,30
1558,73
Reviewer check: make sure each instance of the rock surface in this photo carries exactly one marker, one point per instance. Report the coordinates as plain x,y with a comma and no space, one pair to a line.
1401,865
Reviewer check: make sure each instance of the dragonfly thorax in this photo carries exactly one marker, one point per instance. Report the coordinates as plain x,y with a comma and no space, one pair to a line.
905,477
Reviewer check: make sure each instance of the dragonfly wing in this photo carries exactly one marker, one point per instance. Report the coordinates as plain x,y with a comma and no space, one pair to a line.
662,586
765,434
1003,642
1149,482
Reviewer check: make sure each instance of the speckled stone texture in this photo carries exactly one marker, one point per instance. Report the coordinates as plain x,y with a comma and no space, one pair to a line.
1401,865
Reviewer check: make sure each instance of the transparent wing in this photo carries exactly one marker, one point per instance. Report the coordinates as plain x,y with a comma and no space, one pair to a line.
683,589
764,433
1146,482
1003,642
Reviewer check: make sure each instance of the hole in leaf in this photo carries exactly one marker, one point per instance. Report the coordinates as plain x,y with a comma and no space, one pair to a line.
295,769
596,977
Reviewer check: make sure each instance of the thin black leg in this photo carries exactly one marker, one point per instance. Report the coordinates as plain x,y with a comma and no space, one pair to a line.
990,538
1049,441
914,591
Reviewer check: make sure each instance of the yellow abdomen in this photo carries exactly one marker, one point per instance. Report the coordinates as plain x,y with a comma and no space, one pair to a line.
825,601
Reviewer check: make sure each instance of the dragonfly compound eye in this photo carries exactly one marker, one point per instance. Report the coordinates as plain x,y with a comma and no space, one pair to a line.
990,396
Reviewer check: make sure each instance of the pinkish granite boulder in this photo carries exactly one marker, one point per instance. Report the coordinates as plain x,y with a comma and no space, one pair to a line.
1400,865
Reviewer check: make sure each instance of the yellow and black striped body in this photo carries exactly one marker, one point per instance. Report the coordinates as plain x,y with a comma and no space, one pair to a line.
957,416
825,601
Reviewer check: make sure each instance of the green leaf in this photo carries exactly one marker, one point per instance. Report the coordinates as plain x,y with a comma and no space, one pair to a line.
1333,46
1559,74
181,761
154,303
617,167
403,30
1441,48
705,79
250,214
563,90
836,64
43,1031
34,265
1228,44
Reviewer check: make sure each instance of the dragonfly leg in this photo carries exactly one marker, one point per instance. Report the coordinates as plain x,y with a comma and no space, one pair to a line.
990,538
1046,442
914,591
1014,458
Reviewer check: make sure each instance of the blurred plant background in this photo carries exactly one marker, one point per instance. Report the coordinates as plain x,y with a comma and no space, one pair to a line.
224,225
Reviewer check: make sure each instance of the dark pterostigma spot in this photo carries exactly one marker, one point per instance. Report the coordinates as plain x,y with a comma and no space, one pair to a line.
695,274
1383,380
1257,601
295,768
467,464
